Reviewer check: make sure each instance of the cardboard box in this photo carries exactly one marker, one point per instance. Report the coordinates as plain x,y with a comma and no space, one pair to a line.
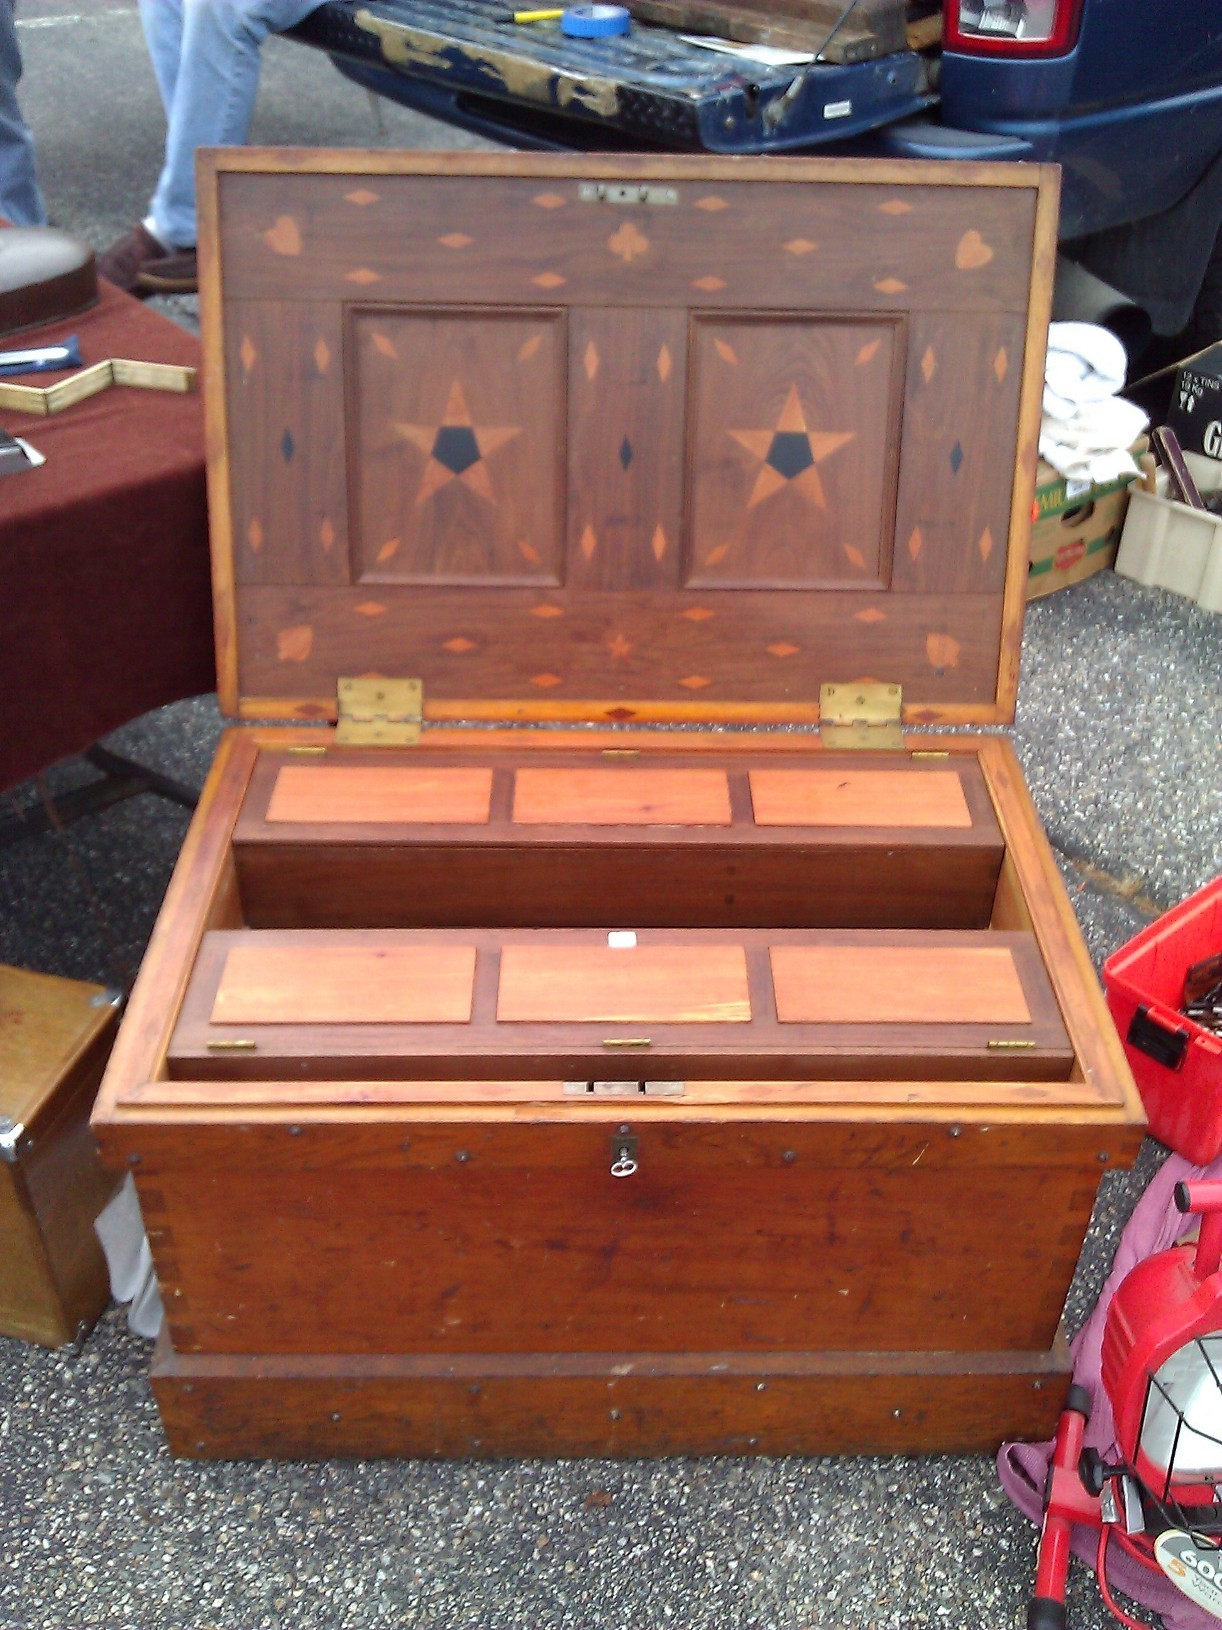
1195,413
1073,537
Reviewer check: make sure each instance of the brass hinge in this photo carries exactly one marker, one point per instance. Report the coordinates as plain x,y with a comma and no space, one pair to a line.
865,715
380,712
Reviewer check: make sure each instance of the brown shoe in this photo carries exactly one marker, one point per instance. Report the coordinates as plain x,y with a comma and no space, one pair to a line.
175,273
122,263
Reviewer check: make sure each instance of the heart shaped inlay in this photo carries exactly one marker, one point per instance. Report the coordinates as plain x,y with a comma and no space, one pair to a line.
973,252
284,238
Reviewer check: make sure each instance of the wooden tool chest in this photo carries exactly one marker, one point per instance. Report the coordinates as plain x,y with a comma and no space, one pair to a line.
535,1061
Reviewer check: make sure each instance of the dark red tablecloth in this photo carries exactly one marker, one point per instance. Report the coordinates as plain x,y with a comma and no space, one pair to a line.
105,604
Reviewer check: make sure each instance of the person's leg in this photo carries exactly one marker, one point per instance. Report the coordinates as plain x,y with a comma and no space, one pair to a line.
20,200
162,20
213,96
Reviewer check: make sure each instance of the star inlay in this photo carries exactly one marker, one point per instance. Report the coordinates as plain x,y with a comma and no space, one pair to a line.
456,448
790,452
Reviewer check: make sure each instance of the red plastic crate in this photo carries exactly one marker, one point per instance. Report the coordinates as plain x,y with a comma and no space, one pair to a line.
1176,1063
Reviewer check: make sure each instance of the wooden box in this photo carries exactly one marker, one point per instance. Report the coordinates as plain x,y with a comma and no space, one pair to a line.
55,1038
578,1073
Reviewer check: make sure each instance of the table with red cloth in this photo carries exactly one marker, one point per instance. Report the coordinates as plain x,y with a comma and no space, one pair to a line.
105,610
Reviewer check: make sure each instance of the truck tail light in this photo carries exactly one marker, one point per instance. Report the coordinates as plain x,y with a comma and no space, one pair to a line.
1018,28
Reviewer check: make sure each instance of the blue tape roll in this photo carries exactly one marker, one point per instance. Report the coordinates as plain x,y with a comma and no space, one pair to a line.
594,22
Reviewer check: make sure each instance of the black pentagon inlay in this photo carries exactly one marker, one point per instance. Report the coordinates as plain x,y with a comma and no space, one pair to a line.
956,458
288,447
456,448
625,452
790,453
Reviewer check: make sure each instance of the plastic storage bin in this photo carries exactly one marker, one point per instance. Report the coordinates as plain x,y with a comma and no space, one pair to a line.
1176,1063
1168,545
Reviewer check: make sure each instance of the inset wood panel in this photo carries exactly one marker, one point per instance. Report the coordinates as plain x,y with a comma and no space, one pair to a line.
793,442
657,984
628,382
459,445
378,795
621,797
859,798
960,422
784,237
886,985
319,983
284,372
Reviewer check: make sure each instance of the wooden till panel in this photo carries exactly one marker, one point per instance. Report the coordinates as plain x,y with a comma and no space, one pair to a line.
885,984
858,798
345,984
659,984
317,794
624,797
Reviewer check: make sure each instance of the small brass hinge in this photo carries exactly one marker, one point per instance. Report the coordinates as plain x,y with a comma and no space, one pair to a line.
865,715
379,712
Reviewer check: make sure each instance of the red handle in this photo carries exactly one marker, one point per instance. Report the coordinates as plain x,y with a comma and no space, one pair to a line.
1205,1200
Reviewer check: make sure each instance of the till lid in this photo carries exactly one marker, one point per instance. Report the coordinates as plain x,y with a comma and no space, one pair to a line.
622,438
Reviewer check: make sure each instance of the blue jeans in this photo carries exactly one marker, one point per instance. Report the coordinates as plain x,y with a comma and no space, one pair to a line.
20,199
206,58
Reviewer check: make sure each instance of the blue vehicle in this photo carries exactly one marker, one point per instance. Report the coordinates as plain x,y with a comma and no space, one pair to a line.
1126,96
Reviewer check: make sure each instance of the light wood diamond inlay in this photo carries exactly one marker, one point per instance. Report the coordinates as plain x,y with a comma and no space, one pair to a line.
529,552
547,611
548,280
530,348
789,454
326,535
589,543
1001,365
665,363
985,544
254,534
456,240
895,206
711,204
363,275
458,644
867,353
590,361
248,353
322,355
546,681
361,197
658,543
871,614
890,285
383,344
371,608
389,550
915,542
549,200
929,364
727,353
782,650
695,682
801,246
698,614
709,284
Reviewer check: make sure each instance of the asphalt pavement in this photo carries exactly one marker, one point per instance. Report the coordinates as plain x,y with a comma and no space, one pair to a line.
1118,729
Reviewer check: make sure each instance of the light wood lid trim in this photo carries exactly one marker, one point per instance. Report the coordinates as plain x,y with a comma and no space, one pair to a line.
886,985
858,798
621,797
346,984
373,794
649,984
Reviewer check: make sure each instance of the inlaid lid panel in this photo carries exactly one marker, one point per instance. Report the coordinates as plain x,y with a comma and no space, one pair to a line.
622,439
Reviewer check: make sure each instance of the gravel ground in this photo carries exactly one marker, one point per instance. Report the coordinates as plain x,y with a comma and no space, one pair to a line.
1118,730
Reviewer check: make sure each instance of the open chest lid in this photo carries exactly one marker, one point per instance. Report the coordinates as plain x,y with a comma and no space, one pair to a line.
622,439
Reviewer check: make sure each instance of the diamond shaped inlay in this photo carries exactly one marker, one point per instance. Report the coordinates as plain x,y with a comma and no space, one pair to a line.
870,615
664,363
890,285
547,280
929,364
895,206
590,360
867,353
915,542
361,196
322,355
326,534
549,200
384,344
782,650
546,611
727,353
456,240
709,283
459,644
371,608
389,550
711,203
801,246
695,682
625,452
854,557
658,544
254,534
530,347
985,544
1001,364
546,681
529,552
295,644
588,543
247,353
287,446
698,614
956,458
363,274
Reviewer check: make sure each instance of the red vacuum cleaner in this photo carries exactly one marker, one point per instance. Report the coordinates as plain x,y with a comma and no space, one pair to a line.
1162,1369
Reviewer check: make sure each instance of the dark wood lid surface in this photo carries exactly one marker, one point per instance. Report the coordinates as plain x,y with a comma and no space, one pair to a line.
622,439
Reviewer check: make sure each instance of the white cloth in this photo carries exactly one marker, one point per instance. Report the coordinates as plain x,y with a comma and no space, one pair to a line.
1093,445
129,1260
1085,364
